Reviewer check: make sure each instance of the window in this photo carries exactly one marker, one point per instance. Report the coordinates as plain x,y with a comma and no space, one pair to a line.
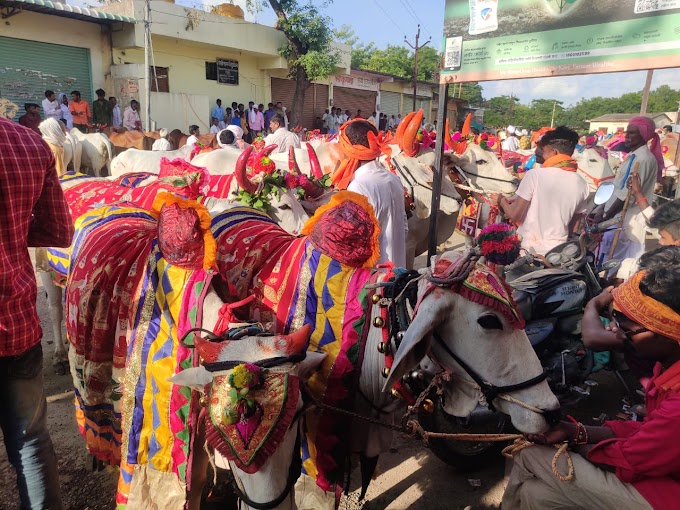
211,71
159,79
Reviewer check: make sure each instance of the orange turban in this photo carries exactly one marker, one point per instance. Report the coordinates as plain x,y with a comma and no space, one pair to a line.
357,153
646,311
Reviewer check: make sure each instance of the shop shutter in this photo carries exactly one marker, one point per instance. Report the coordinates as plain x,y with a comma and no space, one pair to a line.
29,68
390,103
353,100
316,99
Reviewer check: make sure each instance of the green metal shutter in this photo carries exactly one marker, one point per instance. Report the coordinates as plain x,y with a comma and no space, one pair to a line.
390,103
29,68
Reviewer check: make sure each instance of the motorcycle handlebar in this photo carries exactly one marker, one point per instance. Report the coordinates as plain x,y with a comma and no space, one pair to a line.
602,226
526,259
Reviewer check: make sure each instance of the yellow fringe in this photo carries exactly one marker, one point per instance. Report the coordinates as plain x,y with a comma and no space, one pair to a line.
361,201
209,243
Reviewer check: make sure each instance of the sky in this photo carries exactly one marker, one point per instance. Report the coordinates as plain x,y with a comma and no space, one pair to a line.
388,21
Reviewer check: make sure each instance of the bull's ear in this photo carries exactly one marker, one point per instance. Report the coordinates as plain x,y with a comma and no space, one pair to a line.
194,378
309,365
418,337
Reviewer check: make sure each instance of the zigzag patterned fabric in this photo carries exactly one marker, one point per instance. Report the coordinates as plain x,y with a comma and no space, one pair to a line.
127,410
294,284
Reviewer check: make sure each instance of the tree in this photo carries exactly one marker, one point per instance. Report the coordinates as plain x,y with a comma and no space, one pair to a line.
360,52
308,47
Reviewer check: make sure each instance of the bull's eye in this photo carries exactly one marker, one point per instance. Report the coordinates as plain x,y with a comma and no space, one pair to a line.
481,161
284,207
490,321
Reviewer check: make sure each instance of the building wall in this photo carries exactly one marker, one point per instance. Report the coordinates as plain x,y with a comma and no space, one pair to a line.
46,28
186,75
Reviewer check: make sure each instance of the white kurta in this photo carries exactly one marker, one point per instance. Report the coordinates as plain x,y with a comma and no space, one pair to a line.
386,194
283,139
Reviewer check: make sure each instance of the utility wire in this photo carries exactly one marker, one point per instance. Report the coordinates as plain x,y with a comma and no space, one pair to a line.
410,9
389,17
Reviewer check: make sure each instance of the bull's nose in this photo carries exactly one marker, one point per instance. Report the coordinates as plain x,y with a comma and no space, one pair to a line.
553,417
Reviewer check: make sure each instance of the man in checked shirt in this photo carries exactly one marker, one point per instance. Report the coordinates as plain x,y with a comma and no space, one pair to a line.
33,212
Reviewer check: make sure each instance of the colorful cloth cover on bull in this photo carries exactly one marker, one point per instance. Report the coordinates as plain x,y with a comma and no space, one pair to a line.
128,411
296,284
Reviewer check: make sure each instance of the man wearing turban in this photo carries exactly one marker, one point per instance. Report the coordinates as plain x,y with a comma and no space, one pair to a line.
622,464
649,161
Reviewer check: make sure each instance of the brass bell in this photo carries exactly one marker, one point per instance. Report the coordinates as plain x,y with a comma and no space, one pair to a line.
375,298
203,401
412,206
383,347
395,393
385,372
428,406
379,322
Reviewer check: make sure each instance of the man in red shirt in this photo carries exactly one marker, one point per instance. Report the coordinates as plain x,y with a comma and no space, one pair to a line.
31,119
623,464
33,212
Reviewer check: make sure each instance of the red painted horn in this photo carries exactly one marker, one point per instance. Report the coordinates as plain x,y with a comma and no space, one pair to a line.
314,163
241,174
293,167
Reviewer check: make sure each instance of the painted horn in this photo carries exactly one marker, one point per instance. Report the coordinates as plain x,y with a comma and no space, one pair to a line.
466,125
402,127
447,135
314,163
241,173
267,151
293,167
409,139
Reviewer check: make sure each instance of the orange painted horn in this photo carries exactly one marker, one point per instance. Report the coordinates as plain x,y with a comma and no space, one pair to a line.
241,172
409,140
466,126
447,135
402,127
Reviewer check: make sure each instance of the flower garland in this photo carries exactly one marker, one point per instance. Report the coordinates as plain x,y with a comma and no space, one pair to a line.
243,378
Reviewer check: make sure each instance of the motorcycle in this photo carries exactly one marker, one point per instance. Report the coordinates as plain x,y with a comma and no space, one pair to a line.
551,293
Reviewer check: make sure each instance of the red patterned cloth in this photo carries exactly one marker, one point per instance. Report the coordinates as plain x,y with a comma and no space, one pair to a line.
33,212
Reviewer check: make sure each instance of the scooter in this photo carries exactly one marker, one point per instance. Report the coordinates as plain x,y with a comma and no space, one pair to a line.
551,293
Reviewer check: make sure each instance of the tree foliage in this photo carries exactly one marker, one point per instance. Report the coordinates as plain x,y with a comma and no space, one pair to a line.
308,47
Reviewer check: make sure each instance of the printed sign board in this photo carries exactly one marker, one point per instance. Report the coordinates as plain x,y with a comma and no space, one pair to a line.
508,39
227,72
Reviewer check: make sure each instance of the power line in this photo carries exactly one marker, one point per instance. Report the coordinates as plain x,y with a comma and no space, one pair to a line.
410,9
389,17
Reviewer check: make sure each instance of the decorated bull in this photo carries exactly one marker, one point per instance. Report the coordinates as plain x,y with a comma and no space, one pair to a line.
135,160
96,148
140,281
84,193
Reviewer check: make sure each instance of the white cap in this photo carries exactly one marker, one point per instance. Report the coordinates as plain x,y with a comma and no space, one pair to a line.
511,129
163,133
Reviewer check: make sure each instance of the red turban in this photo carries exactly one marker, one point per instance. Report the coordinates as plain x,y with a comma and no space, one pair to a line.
648,132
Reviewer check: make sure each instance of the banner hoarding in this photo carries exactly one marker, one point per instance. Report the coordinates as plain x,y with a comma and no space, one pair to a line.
508,39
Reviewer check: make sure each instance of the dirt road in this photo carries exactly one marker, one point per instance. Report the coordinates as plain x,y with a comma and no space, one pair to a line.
410,478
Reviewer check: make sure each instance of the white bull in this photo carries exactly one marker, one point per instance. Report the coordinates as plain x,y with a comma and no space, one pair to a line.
97,150
135,160
73,152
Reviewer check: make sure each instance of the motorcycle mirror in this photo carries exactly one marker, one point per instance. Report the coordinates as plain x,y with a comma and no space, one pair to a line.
604,192
611,265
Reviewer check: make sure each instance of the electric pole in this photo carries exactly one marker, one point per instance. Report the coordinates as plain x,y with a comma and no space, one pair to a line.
415,62
147,64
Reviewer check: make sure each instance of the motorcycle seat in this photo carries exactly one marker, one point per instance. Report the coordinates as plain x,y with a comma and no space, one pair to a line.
542,278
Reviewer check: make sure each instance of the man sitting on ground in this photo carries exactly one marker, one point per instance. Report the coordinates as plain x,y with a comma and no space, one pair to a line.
162,144
363,174
623,464
549,201
281,136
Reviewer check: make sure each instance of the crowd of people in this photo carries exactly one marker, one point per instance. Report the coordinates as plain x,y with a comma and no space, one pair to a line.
255,121
77,113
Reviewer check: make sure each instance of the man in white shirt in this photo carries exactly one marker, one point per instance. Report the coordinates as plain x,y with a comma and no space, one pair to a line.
550,200
162,144
392,123
381,187
373,119
215,127
51,106
281,136
328,122
631,244
217,112
194,133
255,119
511,143
116,117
